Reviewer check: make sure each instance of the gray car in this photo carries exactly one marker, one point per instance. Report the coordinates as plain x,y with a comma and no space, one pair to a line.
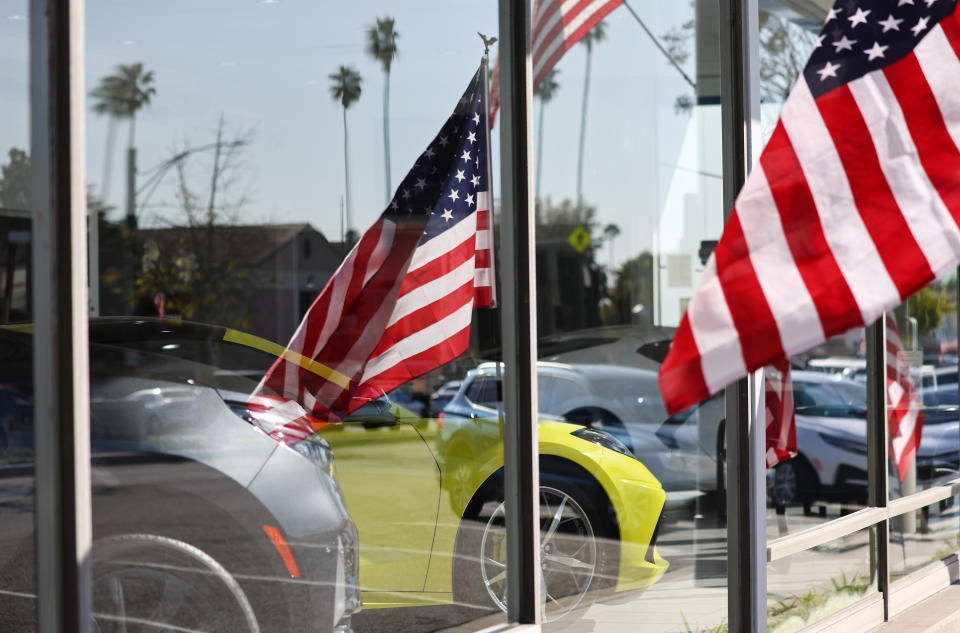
201,521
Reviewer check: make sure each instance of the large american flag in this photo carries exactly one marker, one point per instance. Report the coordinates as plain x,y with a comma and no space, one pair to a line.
904,417
401,303
854,204
557,26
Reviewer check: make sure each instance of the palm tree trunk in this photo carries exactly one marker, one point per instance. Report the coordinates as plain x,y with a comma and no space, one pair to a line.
108,159
583,126
386,132
346,172
539,156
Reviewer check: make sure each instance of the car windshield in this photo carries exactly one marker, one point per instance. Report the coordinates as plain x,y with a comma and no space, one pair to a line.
832,399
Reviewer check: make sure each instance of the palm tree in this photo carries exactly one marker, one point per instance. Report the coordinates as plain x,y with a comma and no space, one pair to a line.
546,90
382,46
120,96
596,34
346,89
611,231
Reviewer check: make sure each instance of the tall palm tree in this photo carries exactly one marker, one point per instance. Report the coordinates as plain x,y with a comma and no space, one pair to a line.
382,46
546,90
346,89
596,34
120,96
611,231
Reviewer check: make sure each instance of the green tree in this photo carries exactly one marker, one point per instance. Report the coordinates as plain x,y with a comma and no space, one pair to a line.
546,90
346,89
632,295
382,46
928,306
594,36
15,186
610,233
559,220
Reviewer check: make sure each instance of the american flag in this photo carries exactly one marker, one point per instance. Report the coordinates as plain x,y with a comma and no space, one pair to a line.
781,415
401,303
557,26
854,204
903,405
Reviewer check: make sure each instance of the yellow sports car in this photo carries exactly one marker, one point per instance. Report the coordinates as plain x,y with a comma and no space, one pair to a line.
426,494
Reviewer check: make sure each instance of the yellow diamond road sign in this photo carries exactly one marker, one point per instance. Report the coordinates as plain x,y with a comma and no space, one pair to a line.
579,239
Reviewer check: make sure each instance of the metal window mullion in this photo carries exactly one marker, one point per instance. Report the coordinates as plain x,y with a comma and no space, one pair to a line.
60,305
746,441
518,315
877,465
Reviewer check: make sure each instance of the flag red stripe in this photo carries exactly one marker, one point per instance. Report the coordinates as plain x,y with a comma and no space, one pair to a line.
901,255
483,219
429,313
357,318
416,365
951,28
681,375
440,266
938,153
751,314
831,295
483,298
483,259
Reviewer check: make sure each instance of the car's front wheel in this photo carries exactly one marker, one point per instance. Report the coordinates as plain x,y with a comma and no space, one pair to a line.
147,582
577,552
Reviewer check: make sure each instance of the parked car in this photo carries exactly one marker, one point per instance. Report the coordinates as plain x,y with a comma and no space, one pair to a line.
415,493
443,395
601,506
201,521
831,463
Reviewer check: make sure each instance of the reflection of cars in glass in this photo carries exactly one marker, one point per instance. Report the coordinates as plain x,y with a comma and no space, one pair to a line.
832,443
409,485
601,506
200,520
443,395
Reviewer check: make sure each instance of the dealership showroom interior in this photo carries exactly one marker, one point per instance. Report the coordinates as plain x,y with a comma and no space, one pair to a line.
444,315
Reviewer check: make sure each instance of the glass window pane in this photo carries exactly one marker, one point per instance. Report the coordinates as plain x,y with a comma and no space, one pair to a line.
280,168
925,536
809,586
17,556
629,191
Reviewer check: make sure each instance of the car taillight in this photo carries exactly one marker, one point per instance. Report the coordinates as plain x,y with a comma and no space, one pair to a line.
440,420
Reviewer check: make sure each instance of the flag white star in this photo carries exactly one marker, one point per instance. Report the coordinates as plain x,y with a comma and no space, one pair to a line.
830,70
447,215
843,44
421,183
475,180
832,15
459,175
429,153
469,199
890,24
443,141
875,51
454,195
819,41
466,155
476,118
920,26
472,138
930,2
903,2
394,205
406,194
860,17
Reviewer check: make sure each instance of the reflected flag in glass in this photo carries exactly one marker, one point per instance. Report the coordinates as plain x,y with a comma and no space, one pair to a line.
904,417
780,412
853,206
557,26
401,302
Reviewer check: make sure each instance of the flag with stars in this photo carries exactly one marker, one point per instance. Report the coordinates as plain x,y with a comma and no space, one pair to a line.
853,206
401,302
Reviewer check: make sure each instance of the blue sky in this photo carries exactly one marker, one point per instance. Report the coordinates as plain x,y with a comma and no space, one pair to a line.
265,66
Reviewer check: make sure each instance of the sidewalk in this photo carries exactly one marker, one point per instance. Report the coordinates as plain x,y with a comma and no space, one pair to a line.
939,613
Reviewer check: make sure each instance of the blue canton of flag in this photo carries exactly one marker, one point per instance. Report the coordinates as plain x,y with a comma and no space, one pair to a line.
860,36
